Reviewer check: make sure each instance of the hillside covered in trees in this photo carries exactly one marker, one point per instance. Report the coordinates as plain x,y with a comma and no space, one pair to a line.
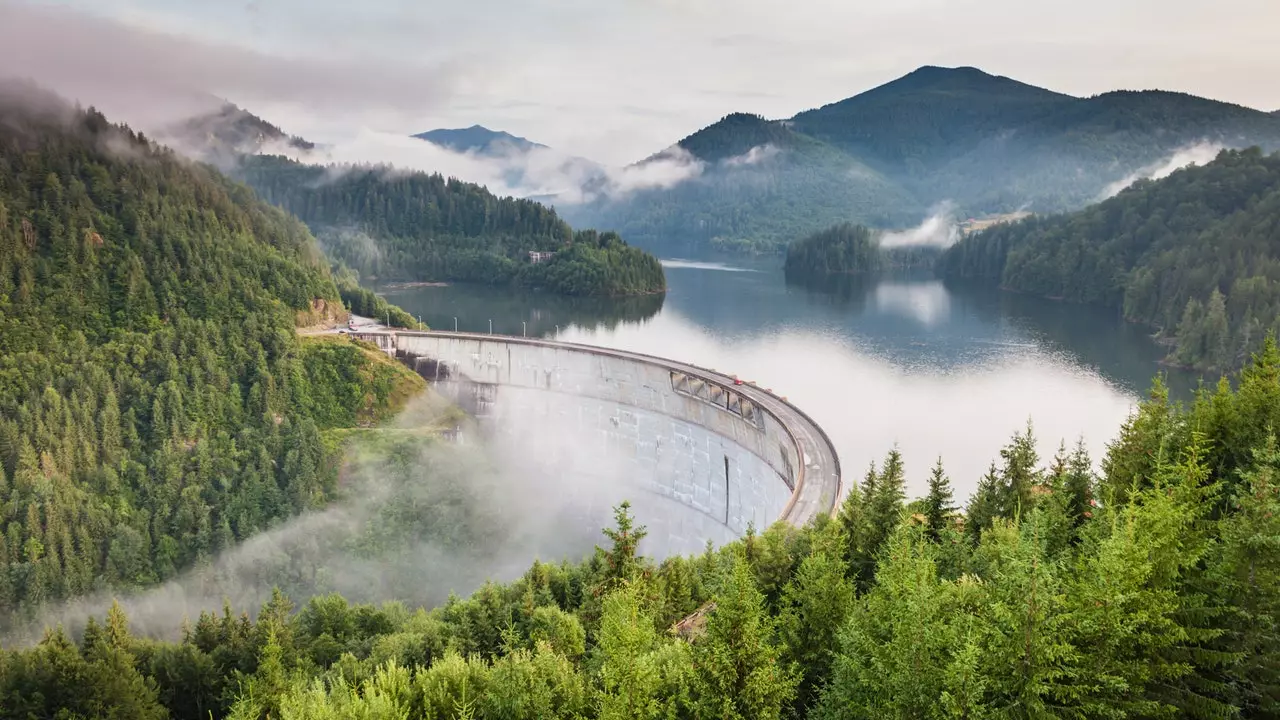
760,185
156,402
394,225
1150,590
883,157
1195,255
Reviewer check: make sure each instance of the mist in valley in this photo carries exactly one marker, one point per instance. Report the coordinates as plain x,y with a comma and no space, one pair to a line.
418,518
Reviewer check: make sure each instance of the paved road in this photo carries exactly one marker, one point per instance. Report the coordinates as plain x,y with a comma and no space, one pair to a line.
818,481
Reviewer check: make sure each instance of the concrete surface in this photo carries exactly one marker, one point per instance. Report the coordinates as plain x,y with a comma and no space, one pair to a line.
712,456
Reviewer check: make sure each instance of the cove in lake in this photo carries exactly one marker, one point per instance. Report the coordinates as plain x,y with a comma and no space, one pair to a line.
937,369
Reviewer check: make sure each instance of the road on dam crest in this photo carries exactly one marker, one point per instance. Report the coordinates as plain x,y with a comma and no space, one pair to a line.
728,454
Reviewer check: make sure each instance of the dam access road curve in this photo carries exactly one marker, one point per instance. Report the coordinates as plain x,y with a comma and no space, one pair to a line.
712,456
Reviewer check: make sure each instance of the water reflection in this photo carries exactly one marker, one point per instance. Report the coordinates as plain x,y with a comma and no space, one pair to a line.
515,311
937,369
928,303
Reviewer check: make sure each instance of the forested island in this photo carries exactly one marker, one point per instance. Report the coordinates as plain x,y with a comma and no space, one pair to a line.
1195,255
849,249
156,404
1151,590
394,225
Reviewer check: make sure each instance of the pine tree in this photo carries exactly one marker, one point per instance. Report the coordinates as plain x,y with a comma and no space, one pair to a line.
814,605
884,507
622,559
893,647
1079,488
1244,576
1018,475
629,681
984,506
852,521
737,672
937,504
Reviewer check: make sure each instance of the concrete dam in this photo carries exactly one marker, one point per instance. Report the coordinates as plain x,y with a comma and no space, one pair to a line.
700,456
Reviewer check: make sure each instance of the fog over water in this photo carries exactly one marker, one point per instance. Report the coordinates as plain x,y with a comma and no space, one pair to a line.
936,370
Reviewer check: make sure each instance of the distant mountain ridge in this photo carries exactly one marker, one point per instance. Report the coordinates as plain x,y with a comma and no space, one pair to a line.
980,143
478,139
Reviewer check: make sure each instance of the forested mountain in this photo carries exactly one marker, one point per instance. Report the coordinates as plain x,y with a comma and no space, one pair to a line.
222,136
477,139
992,144
156,403
759,185
930,113
886,156
1196,255
396,225
1149,590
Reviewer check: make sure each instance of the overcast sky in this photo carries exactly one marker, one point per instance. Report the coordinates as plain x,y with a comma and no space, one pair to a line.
614,80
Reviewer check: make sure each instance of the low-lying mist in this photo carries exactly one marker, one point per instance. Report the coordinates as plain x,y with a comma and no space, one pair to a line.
418,518
939,230
1200,153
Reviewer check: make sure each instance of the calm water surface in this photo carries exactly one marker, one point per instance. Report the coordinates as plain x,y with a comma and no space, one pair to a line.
936,369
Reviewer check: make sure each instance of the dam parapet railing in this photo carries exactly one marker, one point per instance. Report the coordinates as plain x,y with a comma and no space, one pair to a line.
736,416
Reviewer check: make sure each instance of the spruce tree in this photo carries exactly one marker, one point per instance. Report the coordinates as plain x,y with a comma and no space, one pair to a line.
937,504
894,645
815,604
1019,475
1244,576
738,674
984,506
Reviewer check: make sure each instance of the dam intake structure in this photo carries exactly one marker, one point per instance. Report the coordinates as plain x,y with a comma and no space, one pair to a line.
701,456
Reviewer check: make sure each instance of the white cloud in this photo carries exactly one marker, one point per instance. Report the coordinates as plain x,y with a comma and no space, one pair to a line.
938,230
149,78
754,156
1195,154
613,81
505,169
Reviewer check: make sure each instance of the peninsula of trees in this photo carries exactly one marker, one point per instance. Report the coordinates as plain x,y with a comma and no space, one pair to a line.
1195,255
394,225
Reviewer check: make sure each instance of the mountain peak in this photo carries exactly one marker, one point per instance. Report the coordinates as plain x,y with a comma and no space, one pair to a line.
477,139
736,134
933,78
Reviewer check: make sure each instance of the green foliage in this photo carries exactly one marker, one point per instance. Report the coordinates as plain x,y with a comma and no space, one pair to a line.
843,249
760,184
156,405
737,668
1160,601
393,225
884,157
938,510
1193,255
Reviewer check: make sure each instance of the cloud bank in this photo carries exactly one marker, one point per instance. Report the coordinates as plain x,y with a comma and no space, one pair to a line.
543,173
148,78
938,230
1195,154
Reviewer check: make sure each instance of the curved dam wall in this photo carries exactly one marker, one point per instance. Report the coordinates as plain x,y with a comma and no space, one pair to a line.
700,457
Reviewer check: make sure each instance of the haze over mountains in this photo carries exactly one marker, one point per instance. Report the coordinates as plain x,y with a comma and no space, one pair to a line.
938,141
